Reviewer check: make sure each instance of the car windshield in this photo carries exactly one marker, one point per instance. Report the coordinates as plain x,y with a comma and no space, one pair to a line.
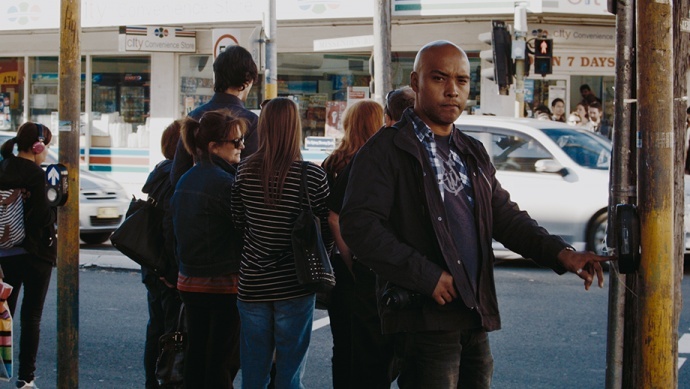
586,149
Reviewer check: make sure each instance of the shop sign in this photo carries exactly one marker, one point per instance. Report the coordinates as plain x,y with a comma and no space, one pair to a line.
319,143
349,42
9,78
584,63
496,7
157,38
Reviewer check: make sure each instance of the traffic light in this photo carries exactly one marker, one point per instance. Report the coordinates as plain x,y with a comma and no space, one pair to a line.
543,55
502,71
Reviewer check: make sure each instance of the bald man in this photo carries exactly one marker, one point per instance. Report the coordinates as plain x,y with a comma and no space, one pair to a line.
421,207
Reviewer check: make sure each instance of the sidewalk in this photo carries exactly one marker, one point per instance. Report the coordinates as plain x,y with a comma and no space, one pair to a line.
106,259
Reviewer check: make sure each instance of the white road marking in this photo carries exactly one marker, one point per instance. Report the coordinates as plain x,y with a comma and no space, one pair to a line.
324,321
684,344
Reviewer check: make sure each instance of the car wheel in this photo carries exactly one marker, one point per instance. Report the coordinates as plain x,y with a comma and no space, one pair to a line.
95,238
596,234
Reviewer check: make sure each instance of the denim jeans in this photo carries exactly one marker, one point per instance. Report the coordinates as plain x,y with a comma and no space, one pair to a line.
283,326
34,275
211,359
444,359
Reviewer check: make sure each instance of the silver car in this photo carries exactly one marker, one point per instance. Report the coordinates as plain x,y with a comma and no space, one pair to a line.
559,174
102,202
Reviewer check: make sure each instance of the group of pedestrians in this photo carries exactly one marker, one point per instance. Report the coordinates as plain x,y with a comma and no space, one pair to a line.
411,204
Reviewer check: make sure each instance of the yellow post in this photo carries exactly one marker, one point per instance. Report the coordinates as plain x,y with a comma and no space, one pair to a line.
658,353
68,216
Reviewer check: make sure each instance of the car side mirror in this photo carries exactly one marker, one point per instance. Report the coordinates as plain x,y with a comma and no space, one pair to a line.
550,166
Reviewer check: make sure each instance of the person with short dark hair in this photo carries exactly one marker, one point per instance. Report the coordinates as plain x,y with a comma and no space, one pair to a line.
422,207
33,268
397,101
235,73
587,95
208,248
558,110
162,297
596,118
542,112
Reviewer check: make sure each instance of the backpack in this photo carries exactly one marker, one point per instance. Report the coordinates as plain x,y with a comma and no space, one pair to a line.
11,218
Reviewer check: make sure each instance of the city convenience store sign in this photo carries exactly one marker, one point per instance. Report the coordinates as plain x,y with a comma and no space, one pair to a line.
167,39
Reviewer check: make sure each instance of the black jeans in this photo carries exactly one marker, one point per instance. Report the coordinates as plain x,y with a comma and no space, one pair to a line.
340,315
164,308
373,363
444,359
212,358
362,356
34,275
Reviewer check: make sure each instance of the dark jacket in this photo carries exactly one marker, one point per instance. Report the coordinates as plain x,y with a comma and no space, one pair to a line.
183,161
207,243
394,220
159,188
39,216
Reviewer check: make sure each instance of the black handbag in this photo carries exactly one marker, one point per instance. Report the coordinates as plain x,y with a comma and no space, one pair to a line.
170,363
313,266
140,235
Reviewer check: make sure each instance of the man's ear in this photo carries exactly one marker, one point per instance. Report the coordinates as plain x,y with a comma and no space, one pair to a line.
414,80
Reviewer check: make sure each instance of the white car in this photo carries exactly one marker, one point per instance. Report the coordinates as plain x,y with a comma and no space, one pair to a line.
559,174
102,202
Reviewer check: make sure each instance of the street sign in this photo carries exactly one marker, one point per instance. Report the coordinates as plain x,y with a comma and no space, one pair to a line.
56,192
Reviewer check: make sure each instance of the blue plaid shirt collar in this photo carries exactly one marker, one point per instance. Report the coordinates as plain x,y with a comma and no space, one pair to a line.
426,138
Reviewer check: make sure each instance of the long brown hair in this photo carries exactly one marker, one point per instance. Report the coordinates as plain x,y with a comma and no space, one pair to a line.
280,138
360,121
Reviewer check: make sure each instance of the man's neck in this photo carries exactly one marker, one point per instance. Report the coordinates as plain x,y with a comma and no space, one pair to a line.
240,94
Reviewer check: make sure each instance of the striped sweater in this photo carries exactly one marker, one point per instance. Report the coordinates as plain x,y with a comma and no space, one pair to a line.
267,270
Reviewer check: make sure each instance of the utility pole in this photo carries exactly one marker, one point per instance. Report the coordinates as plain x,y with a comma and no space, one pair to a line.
623,178
382,50
681,50
271,71
657,332
69,95
519,53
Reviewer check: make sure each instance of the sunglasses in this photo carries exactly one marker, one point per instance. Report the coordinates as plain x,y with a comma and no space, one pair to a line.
235,142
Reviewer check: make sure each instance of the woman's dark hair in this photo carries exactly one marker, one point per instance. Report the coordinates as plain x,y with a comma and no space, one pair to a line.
234,67
214,126
27,135
557,100
170,138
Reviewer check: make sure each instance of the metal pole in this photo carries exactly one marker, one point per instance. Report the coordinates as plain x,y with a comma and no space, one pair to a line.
382,50
68,215
656,207
271,72
520,28
623,188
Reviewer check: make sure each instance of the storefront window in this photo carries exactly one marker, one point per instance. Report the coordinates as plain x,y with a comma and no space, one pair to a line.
196,84
120,101
43,92
11,93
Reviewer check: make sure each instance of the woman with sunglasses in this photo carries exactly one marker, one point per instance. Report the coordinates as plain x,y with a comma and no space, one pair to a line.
276,311
33,268
208,249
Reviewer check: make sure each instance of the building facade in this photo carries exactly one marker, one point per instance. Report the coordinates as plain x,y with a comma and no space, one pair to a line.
145,64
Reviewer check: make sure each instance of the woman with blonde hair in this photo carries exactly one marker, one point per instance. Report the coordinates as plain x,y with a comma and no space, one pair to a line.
275,310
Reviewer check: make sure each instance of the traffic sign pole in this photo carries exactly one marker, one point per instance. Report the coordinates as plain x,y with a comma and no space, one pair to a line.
69,91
